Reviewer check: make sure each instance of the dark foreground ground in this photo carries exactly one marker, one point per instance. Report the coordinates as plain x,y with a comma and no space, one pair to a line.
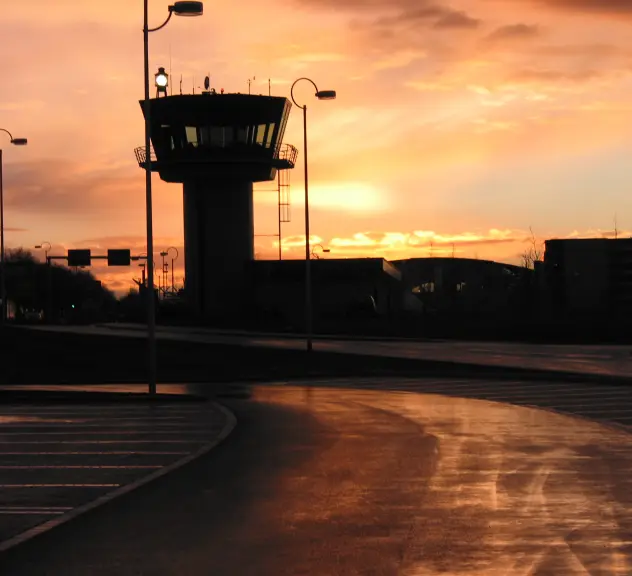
339,482
40,357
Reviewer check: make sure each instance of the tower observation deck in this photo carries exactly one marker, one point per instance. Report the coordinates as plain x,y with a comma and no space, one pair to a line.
217,146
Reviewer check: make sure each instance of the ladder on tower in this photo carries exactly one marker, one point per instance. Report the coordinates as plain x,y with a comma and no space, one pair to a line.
283,180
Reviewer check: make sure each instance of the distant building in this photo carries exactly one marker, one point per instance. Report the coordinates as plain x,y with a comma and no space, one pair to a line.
462,286
590,278
344,292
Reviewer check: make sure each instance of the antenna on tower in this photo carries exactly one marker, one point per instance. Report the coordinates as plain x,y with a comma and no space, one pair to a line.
269,87
250,80
180,84
193,84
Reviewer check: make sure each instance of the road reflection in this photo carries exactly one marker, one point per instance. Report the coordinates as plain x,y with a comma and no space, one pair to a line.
544,494
428,485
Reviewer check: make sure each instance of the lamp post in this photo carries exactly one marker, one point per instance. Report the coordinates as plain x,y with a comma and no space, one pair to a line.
46,246
173,284
325,251
180,9
3,270
321,95
164,274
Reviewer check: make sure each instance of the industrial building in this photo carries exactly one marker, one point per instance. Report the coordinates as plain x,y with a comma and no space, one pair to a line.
589,278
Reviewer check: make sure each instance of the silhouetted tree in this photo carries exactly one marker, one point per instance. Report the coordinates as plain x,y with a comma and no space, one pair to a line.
32,285
534,253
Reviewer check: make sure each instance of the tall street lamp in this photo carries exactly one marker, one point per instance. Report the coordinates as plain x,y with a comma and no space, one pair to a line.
179,9
3,277
46,246
173,284
325,251
321,95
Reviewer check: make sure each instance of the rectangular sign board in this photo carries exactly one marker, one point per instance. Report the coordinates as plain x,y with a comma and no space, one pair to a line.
78,257
119,257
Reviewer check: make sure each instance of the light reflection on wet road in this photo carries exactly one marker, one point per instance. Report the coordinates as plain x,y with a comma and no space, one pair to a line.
334,481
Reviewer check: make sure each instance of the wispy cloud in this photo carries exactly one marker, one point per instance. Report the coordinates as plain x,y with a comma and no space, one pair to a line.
514,32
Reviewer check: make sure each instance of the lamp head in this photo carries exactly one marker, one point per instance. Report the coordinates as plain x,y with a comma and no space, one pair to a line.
187,8
326,94
19,141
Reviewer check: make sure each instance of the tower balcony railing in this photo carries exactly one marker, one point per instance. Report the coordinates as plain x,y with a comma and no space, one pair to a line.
284,159
141,155
288,154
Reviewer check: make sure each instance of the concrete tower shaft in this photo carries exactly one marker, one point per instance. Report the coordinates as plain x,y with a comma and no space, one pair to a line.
217,145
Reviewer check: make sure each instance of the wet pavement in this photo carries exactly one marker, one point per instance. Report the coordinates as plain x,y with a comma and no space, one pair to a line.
604,360
326,481
57,459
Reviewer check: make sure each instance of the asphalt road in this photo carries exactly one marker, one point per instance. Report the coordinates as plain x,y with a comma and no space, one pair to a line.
598,359
328,481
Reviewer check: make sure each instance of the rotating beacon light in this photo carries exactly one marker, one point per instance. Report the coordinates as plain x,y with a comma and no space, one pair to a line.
161,79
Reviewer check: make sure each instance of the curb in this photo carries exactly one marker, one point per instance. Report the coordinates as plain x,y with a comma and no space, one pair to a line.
14,541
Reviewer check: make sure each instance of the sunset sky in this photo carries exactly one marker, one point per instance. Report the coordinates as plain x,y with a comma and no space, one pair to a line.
457,125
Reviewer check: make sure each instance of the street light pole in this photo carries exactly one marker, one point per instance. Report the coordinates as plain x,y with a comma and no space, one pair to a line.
151,310
182,9
173,284
321,95
3,268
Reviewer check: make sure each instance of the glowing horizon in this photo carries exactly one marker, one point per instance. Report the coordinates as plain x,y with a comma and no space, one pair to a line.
471,121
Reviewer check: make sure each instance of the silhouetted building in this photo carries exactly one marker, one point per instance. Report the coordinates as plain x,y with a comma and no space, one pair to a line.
590,278
217,145
346,292
462,286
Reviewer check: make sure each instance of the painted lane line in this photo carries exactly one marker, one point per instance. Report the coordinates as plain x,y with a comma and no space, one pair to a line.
31,512
41,427
103,453
101,441
3,486
17,507
105,432
77,467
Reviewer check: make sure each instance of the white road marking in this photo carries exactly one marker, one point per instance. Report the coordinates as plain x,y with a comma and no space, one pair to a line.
76,467
104,453
101,441
59,486
105,432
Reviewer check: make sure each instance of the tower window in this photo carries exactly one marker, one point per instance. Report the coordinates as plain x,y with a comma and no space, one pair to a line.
191,134
261,134
270,135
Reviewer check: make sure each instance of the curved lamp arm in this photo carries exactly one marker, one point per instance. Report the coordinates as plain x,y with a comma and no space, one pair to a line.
164,23
9,133
292,90
174,248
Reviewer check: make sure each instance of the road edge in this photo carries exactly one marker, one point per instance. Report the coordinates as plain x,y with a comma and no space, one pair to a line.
231,422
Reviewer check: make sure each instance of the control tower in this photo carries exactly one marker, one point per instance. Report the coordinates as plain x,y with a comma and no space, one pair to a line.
217,146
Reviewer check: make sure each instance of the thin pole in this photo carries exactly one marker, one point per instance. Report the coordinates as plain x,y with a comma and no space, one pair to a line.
279,210
3,280
173,284
151,312
308,260
49,299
